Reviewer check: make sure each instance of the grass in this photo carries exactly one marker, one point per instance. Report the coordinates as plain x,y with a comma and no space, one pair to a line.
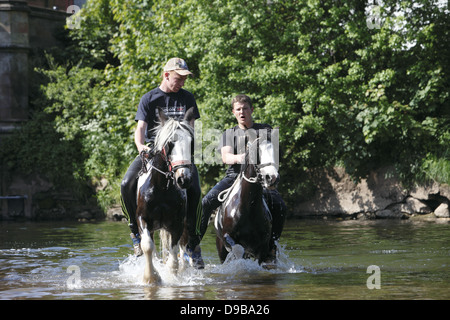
437,168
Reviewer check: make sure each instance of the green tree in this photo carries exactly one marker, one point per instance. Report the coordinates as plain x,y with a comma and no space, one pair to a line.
360,84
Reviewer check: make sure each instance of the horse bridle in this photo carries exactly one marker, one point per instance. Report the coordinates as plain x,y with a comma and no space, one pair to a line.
258,167
258,177
173,167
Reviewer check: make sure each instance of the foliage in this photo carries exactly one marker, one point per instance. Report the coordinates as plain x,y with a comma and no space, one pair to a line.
340,90
56,159
343,88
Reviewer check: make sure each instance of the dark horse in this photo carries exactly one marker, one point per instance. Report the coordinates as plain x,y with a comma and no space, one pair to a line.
243,223
161,196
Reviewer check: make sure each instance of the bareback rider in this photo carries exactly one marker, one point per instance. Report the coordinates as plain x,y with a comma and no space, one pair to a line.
175,102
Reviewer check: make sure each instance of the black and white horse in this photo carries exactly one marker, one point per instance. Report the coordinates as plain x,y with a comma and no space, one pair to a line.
161,196
243,222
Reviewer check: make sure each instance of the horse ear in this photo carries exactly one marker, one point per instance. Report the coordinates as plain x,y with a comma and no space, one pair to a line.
189,117
162,116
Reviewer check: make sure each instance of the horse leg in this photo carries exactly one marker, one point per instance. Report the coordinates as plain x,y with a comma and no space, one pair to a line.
183,263
221,250
164,245
268,256
148,247
182,247
173,258
237,251
168,246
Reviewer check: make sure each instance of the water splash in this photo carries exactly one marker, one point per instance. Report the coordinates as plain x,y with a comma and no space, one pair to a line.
132,269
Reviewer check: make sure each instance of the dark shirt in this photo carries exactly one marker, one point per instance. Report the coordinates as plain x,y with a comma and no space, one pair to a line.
237,139
174,104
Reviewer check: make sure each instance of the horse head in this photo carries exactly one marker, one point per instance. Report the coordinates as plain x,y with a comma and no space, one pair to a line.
176,138
267,167
261,153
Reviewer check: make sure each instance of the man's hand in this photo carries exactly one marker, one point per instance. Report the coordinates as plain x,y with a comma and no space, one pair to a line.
142,148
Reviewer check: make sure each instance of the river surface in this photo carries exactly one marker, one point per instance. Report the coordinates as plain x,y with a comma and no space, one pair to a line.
381,259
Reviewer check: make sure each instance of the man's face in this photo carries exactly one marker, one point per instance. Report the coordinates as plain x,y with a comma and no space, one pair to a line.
174,81
243,114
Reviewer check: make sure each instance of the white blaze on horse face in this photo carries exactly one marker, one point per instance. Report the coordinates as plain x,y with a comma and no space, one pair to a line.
268,170
181,155
181,151
267,153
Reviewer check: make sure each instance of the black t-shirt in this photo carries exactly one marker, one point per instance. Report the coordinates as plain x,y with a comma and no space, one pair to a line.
237,139
174,104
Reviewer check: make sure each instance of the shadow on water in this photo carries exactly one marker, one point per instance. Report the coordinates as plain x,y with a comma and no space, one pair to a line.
317,260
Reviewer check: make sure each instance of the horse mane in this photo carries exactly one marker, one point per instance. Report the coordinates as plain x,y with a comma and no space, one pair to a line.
164,132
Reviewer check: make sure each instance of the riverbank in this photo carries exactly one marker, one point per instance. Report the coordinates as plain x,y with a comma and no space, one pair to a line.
379,196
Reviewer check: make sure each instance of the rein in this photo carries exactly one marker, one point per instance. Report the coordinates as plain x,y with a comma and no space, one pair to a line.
258,173
222,196
251,180
144,158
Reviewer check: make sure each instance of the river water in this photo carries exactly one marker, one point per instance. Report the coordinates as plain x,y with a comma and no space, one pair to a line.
381,259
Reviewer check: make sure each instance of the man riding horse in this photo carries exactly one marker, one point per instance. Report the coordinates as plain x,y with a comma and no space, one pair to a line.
175,102
234,156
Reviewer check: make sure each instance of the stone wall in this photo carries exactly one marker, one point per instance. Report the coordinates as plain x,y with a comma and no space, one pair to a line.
14,49
380,195
23,28
33,197
26,27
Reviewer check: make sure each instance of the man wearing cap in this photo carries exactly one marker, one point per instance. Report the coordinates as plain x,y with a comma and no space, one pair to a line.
175,102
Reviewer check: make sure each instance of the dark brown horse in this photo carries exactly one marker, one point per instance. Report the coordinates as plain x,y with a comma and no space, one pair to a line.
243,223
161,196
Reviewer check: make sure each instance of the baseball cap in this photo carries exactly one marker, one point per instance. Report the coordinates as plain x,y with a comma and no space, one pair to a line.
178,65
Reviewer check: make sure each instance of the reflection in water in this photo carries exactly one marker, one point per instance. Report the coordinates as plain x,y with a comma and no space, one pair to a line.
317,260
